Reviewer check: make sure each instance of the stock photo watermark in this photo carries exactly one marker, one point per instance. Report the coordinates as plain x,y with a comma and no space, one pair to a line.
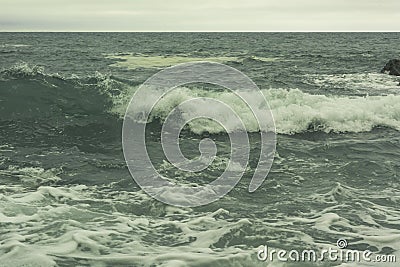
340,253
159,85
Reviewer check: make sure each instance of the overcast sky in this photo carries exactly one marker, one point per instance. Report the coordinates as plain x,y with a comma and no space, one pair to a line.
200,15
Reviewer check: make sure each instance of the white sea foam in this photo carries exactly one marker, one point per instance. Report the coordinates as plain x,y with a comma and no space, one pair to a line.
59,225
32,175
98,226
361,83
14,45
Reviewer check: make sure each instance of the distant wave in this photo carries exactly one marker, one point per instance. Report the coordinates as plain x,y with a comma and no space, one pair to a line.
130,61
361,83
265,59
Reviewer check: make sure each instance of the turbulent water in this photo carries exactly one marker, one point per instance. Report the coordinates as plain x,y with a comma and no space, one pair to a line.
66,195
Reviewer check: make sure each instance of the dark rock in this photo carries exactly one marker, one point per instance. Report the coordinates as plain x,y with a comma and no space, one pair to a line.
392,67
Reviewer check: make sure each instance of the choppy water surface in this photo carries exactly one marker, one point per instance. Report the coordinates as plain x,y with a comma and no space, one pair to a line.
66,196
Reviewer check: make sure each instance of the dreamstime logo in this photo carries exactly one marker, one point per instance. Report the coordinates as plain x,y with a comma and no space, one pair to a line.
339,254
158,86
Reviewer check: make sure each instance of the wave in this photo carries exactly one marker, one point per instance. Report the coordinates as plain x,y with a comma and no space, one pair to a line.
266,59
51,110
297,112
32,93
294,111
50,99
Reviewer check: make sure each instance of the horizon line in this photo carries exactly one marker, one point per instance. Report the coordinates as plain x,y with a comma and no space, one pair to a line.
200,31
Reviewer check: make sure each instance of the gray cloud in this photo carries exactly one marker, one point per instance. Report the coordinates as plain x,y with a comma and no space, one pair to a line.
206,15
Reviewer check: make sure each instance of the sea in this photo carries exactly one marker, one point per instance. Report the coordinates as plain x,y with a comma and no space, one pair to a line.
67,197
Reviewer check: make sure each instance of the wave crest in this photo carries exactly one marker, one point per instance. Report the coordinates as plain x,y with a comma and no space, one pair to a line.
23,69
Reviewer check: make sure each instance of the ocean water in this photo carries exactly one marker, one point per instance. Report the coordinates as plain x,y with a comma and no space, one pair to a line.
66,195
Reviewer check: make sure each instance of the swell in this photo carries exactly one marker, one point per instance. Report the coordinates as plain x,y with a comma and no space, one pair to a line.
39,107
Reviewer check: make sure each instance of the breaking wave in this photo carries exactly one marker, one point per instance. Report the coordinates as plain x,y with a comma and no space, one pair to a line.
35,96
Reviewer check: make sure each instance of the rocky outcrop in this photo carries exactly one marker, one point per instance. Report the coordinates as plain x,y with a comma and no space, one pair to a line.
392,67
